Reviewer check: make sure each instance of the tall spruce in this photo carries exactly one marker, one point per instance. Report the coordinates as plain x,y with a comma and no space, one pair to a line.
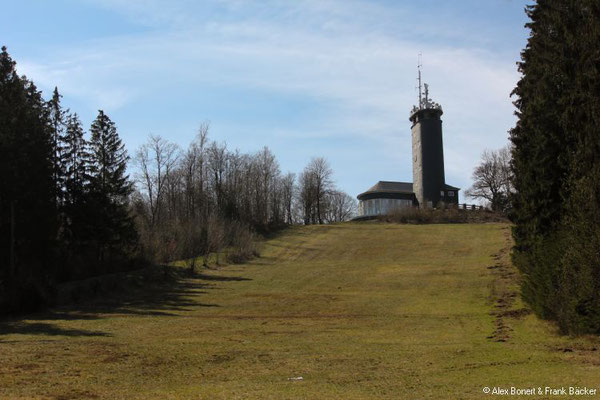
76,159
78,228
57,124
108,160
555,164
110,188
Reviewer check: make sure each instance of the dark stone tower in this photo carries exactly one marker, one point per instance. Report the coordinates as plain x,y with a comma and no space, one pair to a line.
428,151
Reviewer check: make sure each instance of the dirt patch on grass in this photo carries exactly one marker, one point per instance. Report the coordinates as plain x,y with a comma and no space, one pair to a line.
504,292
107,353
76,394
224,357
586,351
26,367
516,314
115,358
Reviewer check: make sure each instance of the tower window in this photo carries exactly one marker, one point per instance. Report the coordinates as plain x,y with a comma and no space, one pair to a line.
451,194
442,193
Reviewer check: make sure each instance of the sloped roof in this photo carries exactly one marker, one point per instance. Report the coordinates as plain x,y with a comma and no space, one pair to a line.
389,190
448,187
387,186
394,189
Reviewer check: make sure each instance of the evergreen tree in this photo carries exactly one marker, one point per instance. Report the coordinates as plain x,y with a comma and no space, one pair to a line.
27,193
556,165
57,126
109,160
539,159
110,189
579,280
76,159
48,169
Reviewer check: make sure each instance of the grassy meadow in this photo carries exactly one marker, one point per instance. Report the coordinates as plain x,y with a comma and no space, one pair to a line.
358,310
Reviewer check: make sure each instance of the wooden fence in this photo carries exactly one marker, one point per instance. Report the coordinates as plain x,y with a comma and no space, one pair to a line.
472,207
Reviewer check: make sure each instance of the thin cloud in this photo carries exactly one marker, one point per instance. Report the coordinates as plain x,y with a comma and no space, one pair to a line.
361,71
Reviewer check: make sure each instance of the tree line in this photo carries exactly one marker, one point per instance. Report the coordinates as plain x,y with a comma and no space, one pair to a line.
64,203
556,166
548,179
199,200
69,209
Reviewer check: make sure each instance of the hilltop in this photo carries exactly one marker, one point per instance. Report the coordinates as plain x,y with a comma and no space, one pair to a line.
358,310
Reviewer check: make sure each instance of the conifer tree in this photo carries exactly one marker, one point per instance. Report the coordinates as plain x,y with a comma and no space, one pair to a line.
578,293
77,226
110,188
27,211
538,158
108,160
75,159
57,126
556,165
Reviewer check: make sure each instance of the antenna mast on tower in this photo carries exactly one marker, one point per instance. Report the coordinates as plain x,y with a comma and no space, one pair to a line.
419,65
425,103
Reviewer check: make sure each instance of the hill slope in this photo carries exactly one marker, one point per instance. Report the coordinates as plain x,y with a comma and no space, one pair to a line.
357,310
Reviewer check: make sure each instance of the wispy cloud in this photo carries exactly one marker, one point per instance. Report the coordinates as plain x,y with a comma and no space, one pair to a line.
348,55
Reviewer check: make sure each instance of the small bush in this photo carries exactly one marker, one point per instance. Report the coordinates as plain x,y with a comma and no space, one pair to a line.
243,243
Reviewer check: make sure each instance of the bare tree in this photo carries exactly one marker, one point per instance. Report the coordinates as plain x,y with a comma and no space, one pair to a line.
321,179
307,196
492,179
340,207
193,166
156,160
287,192
217,165
505,159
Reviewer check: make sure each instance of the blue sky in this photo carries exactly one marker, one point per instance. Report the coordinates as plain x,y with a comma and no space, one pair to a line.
331,78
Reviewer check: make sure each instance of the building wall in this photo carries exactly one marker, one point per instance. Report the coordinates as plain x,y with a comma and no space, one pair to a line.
381,206
450,197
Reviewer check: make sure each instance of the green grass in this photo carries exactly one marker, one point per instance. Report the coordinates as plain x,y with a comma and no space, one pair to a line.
358,311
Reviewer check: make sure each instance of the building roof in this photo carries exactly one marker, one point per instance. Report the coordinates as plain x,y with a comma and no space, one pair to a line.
448,187
393,188
386,189
387,186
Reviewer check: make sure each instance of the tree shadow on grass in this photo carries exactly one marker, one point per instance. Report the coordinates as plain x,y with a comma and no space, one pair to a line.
42,328
219,278
157,291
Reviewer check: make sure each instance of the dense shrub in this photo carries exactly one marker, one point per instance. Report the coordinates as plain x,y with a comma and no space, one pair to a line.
450,215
